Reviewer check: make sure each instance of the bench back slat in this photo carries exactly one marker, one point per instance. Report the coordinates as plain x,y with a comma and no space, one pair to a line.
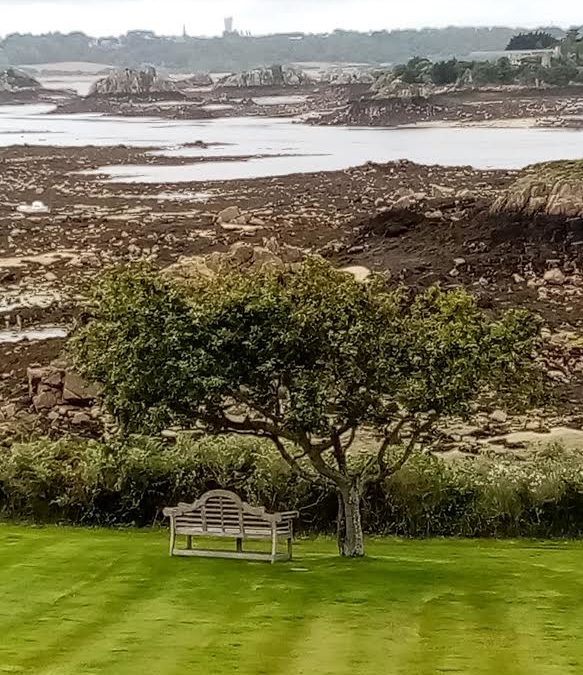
223,513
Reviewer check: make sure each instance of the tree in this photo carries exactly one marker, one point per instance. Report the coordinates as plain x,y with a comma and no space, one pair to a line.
416,71
446,72
305,358
534,40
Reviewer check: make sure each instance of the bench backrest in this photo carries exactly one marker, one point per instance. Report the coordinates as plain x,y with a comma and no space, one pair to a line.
224,513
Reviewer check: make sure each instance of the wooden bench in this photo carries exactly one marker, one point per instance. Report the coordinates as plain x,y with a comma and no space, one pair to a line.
220,513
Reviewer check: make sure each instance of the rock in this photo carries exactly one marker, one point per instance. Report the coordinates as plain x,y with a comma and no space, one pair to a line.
552,188
80,418
404,203
14,81
35,376
44,401
8,411
129,82
195,80
229,214
275,76
359,273
518,279
558,376
465,196
77,390
459,262
442,191
554,277
347,76
386,86
499,416
36,208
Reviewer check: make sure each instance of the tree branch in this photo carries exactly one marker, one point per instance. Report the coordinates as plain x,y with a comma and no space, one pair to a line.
291,459
419,431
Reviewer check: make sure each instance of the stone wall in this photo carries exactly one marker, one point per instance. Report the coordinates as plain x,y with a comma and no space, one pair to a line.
63,396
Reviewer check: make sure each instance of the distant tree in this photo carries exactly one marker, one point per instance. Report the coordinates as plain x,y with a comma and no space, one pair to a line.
305,358
416,71
560,74
445,72
533,40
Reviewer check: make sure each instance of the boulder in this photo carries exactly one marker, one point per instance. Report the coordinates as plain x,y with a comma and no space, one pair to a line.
275,76
347,76
77,390
388,87
129,82
195,80
552,189
229,214
554,277
499,416
14,81
45,401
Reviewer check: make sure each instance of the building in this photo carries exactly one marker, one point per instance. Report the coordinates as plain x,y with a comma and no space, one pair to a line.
518,56
228,26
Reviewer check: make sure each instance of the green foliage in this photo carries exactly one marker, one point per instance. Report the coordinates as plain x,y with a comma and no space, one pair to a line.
447,72
312,349
560,74
416,71
86,482
537,39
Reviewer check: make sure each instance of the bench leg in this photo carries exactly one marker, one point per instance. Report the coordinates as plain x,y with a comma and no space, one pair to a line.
189,542
273,546
239,545
289,548
172,537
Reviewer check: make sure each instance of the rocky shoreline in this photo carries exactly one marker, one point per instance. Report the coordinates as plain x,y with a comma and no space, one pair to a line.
350,105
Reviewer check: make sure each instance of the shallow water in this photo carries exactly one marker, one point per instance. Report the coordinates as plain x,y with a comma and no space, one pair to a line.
32,334
304,148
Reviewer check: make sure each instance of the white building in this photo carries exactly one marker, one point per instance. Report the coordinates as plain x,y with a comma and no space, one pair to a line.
518,56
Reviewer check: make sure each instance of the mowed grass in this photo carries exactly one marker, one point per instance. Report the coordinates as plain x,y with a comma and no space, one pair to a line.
80,602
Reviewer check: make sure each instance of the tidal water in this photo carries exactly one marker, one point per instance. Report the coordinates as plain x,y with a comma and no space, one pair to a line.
284,146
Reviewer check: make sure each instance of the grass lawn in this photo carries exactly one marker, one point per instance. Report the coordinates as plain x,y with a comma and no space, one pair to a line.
80,602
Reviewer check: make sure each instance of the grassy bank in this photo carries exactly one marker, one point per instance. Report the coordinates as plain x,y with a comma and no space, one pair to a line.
75,602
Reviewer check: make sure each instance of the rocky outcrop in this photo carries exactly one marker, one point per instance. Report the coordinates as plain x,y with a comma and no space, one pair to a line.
275,76
56,384
465,80
241,256
343,77
551,189
63,398
195,80
389,87
146,83
15,81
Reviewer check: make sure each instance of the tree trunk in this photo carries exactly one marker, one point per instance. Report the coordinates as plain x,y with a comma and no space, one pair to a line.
350,537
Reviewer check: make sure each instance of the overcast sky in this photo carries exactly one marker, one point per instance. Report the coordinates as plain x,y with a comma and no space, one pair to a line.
205,17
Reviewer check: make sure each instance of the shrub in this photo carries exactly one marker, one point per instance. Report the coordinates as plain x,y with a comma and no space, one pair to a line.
92,483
